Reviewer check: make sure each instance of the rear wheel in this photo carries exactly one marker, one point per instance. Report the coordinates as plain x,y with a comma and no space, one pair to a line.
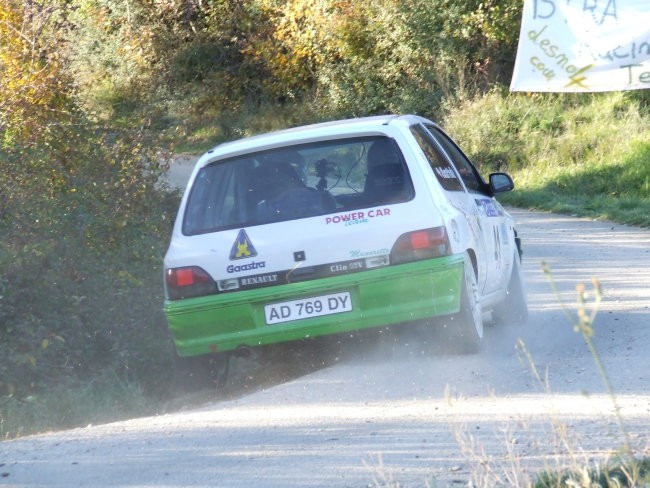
514,308
463,331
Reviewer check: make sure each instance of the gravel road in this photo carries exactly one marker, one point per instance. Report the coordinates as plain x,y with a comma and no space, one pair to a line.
388,409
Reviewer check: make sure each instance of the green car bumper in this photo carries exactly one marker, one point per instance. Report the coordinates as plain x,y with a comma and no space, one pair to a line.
378,297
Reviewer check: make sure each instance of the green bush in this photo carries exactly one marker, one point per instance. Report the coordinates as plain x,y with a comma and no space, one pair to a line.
80,263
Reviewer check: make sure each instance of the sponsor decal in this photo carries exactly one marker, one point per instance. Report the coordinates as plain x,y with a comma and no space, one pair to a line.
242,248
346,267
228,285
246,267
365,260
258,280
497,247
358,217
488,207
366,254
446,173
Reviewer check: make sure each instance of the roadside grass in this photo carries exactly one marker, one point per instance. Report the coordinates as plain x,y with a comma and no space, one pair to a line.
585,155
102,400
616,475
617,191
624,469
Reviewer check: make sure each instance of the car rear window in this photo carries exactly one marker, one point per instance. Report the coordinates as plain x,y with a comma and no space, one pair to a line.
297,182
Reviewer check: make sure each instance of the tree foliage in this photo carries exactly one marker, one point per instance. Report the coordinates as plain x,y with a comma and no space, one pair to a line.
32,90
341,56
80,219
358,58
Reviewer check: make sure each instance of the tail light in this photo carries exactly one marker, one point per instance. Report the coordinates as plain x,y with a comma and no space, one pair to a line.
421,244
188,282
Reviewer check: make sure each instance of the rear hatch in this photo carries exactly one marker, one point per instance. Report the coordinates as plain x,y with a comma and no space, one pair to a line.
293,214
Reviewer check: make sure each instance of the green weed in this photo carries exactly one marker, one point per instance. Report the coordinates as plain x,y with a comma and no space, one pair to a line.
624,469
69,404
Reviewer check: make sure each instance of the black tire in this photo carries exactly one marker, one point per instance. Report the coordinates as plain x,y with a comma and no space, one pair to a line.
513,310
463,331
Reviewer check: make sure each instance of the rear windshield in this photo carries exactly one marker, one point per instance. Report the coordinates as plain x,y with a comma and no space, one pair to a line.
296,182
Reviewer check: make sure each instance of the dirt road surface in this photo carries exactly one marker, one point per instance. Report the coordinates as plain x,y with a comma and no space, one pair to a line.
391,410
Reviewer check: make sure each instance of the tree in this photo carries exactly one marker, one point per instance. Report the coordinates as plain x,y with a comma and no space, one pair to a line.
33,92
81,217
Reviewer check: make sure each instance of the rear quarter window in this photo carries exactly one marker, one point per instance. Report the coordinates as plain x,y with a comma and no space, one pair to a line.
466,170
440,165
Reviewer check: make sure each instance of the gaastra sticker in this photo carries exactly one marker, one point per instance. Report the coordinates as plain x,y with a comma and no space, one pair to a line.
243,247
246,267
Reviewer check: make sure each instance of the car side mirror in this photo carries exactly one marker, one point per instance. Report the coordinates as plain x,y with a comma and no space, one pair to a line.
501,182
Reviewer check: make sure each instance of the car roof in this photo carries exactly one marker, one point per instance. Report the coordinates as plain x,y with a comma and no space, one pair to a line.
374,125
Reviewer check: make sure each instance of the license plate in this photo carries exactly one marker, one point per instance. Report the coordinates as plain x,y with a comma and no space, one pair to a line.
305,308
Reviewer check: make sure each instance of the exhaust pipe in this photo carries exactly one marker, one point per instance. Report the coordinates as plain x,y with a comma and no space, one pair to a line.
242,351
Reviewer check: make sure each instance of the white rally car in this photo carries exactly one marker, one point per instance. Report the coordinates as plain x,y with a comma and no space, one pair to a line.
335,227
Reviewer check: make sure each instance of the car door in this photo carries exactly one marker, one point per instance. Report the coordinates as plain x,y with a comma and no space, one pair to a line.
481,208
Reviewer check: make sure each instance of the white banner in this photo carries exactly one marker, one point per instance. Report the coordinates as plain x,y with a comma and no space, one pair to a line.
583,46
